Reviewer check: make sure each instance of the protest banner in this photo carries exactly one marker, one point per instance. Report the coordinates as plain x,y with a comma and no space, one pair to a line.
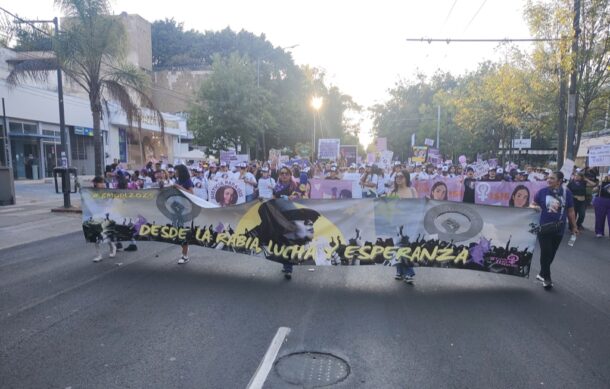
328,149
349,153
225,191
417,232
370,158
419,154
508,194
334,189
440,188
599,155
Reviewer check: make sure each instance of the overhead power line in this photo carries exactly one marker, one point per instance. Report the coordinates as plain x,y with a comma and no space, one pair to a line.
31,24
450,11
482,40
475,15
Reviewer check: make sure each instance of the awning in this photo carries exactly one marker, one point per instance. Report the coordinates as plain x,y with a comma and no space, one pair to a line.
195,155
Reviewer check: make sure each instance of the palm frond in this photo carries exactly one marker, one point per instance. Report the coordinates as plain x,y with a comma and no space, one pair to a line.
136,83
84,9
118,92
35,69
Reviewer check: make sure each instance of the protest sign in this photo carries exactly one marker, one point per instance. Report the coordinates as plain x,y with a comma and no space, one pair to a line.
567,168
328,149
381,144
385,158
429,142
228,156
274,157
480,168
342,232
237,159
349,153
599,155
434,156
419,154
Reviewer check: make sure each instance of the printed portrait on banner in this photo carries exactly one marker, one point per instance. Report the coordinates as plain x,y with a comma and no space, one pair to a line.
227,191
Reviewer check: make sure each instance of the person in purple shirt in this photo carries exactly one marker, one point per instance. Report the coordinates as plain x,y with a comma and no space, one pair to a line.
555,204
184,182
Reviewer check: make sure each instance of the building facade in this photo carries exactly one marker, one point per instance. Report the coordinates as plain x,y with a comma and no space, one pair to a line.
30,132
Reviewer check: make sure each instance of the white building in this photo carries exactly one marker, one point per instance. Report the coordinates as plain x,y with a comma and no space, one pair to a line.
32,120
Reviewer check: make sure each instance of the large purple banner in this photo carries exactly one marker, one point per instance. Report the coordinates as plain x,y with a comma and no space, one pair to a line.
335,189
440,188
508,194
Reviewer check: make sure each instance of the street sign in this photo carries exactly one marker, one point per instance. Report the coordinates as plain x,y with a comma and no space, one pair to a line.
522,143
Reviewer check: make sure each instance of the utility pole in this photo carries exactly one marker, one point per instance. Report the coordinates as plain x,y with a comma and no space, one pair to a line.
561,123
438,127
65,179
573,93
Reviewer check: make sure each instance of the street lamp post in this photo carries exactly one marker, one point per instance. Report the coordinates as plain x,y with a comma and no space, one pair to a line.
316,104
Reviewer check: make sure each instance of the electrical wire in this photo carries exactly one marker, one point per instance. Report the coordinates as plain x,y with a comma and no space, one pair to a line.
475,15
449,13
25,21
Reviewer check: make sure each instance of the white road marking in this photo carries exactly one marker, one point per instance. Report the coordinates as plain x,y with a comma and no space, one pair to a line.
260,376
11,210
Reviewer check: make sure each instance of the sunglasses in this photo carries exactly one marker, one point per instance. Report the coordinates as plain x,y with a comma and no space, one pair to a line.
285,173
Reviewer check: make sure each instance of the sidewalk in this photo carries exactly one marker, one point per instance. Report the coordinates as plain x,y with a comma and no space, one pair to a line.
31,219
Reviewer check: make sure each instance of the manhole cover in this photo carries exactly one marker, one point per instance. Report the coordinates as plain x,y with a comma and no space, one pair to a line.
312,369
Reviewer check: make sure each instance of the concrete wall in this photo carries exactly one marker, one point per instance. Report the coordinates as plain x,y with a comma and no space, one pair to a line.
139,40
175,90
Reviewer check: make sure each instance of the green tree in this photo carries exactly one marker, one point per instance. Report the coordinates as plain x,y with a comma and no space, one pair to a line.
230,109
554,59
90,52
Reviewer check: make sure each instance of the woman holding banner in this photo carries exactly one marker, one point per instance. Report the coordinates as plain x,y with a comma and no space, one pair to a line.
556,204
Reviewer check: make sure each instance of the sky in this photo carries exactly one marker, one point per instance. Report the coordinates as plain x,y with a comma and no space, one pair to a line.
361,45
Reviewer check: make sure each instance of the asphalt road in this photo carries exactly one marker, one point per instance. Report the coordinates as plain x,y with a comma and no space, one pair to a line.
142,321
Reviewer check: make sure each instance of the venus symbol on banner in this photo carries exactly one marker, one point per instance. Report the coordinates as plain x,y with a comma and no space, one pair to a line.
483,190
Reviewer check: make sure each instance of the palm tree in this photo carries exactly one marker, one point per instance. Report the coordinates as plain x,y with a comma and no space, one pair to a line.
90,51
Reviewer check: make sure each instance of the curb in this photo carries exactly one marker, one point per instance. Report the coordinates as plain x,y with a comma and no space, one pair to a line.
67,210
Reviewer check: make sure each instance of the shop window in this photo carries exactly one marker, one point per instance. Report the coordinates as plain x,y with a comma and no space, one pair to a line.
15,128
50,133
30,128
79,144
23,128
